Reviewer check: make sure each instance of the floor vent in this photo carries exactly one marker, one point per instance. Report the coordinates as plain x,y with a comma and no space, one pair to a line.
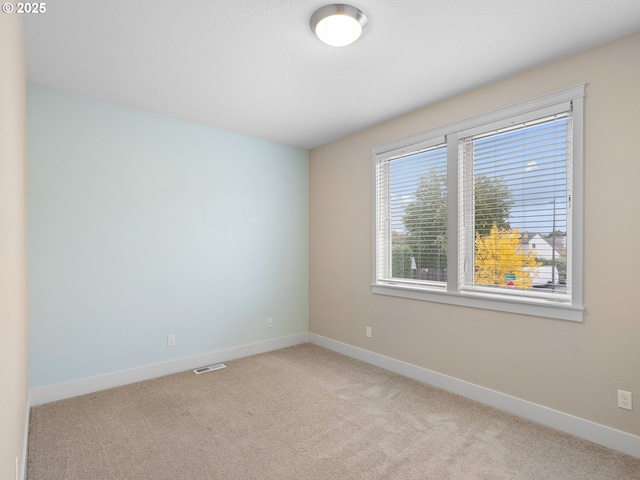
210,368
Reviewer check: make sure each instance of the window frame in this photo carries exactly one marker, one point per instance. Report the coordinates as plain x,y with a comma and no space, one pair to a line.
478,297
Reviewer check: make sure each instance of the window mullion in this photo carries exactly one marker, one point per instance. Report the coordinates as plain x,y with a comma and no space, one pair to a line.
453,276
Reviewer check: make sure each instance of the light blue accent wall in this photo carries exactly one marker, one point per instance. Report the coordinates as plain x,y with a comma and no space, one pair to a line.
142,226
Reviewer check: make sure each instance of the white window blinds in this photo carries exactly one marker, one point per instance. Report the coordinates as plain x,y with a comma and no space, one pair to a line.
412,216
515,201
486,212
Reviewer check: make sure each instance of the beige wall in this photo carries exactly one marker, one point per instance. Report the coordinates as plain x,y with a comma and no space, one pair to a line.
575,368
13,259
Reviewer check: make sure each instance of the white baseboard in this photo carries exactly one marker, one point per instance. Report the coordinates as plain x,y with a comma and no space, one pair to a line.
579,427
124,377
25,441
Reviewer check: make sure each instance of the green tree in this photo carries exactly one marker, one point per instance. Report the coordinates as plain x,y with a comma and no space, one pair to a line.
425,218
492,204
398,238
425,221
557,233
401,262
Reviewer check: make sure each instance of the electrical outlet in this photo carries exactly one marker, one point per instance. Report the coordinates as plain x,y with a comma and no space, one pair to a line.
368,332
624,400
269,322
171,340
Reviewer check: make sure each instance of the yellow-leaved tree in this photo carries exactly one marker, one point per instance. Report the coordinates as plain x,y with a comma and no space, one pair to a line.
500,260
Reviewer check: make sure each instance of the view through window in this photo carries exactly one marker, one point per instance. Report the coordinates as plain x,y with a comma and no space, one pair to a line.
482,209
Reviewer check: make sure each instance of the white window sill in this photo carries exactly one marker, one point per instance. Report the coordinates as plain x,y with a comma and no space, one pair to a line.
546,309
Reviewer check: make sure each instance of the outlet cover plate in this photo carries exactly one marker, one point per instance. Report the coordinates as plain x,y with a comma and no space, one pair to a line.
625,400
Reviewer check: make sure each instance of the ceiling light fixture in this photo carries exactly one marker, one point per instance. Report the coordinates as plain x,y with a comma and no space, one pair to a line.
338,24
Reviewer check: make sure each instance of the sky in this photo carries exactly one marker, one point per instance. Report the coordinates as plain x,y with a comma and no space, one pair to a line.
531,160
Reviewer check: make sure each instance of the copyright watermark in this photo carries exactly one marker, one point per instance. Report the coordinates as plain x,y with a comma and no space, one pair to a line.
24,7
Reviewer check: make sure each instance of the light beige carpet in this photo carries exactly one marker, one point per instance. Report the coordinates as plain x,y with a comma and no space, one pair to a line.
300,413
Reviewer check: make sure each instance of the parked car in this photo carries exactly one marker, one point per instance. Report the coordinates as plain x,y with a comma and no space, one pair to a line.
543,277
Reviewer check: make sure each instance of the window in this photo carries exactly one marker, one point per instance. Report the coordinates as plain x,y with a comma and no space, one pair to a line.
486,212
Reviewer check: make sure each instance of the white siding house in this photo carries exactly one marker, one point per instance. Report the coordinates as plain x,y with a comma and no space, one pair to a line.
544,246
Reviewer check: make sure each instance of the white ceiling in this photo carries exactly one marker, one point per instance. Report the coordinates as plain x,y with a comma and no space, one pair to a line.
254,66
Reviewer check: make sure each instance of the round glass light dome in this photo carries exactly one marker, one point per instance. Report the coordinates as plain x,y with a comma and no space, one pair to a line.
338,25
